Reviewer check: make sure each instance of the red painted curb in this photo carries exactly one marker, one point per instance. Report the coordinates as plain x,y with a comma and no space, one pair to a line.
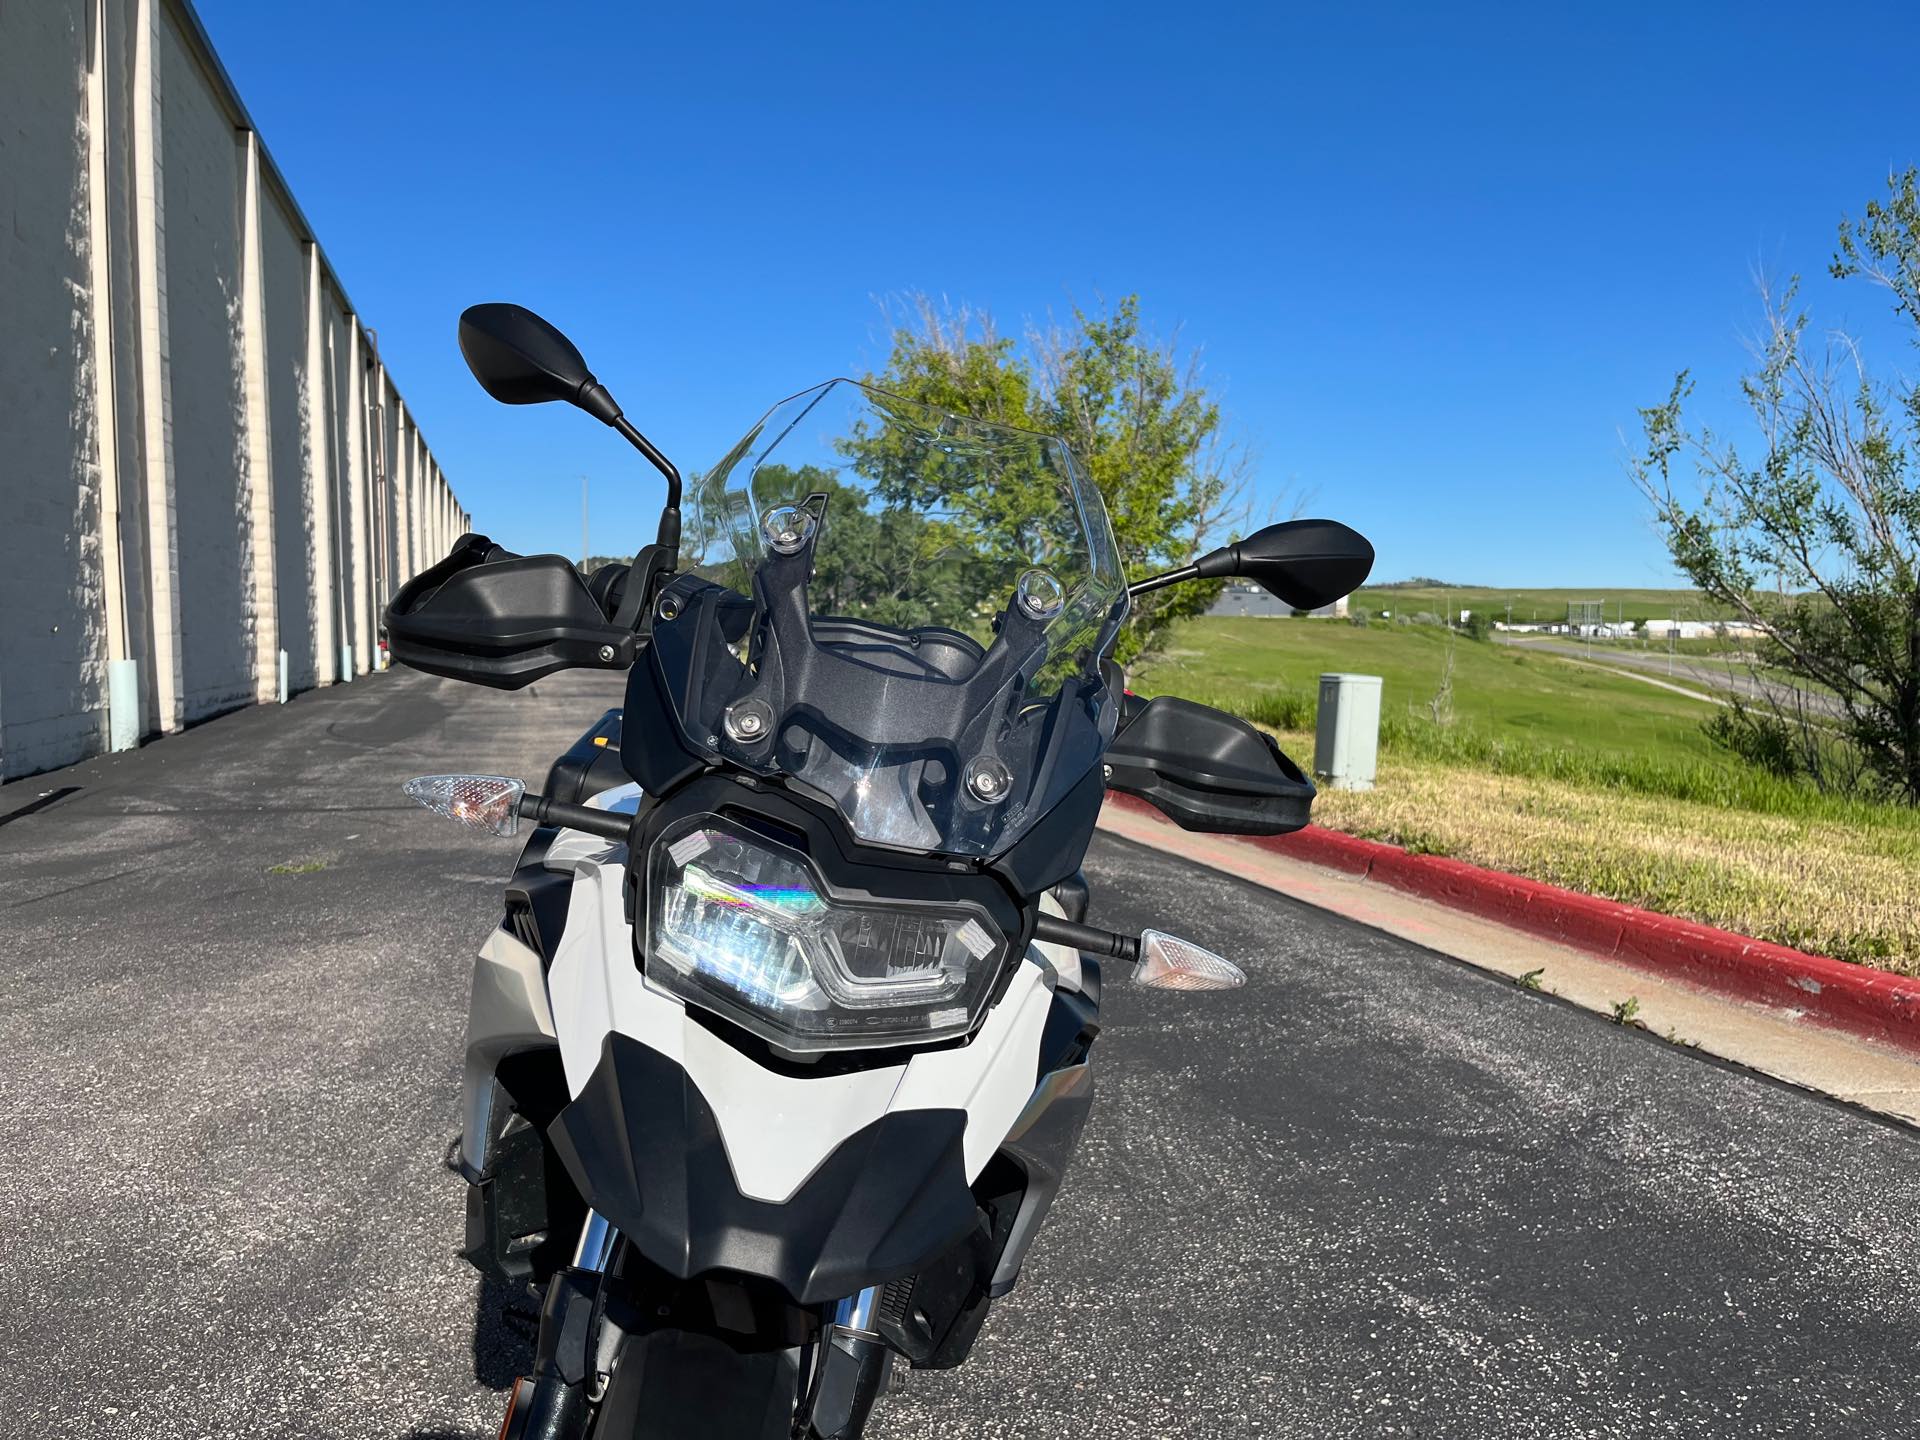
1874,1003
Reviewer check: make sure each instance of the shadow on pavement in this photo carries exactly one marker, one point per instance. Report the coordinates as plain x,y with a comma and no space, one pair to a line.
506,1323
34,807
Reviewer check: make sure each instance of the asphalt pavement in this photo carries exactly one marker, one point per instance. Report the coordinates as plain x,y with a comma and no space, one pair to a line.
1374,1193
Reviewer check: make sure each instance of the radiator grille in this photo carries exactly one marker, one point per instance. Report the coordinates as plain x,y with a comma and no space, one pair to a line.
519,924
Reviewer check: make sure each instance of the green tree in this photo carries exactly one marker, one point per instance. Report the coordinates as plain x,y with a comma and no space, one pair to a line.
889,564
1813,536
1133,410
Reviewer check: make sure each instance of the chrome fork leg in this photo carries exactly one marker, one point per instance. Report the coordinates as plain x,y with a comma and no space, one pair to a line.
552,1403
852,1361
856,1311
596,1243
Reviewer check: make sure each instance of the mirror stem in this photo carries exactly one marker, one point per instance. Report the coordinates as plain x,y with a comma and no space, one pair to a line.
1166,578
669,536
1213,564
654,458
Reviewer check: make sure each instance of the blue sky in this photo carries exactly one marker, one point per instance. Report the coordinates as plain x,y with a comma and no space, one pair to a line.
1436,255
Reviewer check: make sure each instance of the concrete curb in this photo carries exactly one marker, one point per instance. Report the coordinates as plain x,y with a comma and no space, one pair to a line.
1872,1003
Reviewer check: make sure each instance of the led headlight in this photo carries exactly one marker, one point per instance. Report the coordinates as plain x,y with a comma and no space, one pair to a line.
745,928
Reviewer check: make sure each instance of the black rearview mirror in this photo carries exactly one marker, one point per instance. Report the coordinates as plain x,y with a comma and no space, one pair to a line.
1306,563
519,359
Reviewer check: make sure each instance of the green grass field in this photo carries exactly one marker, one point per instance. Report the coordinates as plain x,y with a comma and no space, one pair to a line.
1574,775
1499,691
1541,605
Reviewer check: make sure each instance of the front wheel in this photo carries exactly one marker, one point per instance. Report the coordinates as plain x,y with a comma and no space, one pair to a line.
683,1385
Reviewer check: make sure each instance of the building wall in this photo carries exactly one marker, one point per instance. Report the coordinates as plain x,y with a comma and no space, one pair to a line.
335,415
189,405
1248,599
51,641
392,427
286,375
201,180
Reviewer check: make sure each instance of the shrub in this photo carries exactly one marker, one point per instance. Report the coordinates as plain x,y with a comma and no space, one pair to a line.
1757,738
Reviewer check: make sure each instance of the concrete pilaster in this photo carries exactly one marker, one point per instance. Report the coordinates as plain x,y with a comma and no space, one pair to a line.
360,614
319,489
402,495
101,323
262,601
165,683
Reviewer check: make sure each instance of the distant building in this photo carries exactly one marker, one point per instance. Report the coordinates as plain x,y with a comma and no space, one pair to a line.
1656,628
1243,599
1703,629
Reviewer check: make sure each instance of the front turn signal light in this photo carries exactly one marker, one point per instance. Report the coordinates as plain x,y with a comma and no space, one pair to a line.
488,803
1169,963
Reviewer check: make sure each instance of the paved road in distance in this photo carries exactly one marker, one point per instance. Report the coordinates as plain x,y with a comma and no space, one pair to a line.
1685,670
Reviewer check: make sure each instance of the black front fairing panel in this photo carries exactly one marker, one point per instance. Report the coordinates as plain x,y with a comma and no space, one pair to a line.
642,1144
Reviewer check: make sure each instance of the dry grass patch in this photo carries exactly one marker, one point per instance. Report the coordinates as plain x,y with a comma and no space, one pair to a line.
1833,888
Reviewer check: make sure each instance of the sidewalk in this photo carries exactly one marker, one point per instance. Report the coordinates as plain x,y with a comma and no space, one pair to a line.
1774,1041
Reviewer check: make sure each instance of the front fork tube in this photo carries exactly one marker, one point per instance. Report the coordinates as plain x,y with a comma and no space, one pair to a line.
856,1311
595,1248
551,1404
851,1369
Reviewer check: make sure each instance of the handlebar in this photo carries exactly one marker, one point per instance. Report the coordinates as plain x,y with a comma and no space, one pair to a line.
1056,930
607,824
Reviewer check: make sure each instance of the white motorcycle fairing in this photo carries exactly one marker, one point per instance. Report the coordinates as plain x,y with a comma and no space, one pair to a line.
823,1178
778,1127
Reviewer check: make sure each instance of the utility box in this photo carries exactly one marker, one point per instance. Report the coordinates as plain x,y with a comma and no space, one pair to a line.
1346,739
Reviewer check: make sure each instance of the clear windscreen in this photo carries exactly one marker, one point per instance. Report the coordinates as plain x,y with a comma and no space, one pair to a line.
900,609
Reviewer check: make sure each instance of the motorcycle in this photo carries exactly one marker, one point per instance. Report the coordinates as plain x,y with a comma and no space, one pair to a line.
780,1051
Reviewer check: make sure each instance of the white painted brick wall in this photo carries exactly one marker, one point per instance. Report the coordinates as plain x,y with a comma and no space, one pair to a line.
226,548
203,169
51,640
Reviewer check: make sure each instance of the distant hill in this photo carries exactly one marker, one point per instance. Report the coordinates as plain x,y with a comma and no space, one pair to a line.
1423,582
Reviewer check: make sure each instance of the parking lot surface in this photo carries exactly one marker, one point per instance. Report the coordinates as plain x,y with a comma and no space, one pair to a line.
1374,1193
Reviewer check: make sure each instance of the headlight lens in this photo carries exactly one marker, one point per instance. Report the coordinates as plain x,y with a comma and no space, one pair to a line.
746,928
